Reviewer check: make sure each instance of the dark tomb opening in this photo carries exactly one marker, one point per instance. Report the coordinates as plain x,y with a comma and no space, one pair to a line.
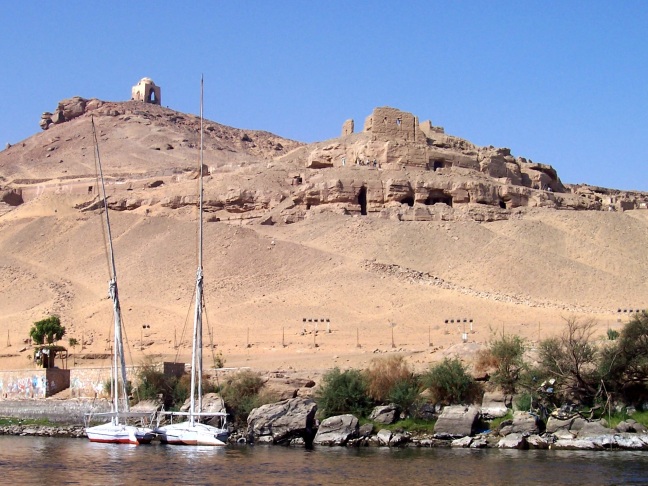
409,200
362,200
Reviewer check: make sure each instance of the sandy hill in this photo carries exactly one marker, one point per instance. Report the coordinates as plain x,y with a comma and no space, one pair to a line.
371,236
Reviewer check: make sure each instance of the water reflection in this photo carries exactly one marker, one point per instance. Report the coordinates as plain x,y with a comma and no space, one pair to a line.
28,460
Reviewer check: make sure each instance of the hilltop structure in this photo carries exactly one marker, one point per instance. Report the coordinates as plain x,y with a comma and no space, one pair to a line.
147,91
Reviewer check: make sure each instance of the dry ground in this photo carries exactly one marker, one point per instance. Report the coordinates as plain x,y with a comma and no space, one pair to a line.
371,278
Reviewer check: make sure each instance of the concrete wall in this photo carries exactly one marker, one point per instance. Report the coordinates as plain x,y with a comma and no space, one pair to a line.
38,383
62,411
42,383
23,384
90,382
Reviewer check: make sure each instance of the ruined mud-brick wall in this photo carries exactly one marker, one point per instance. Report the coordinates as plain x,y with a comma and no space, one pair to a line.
392,124
347,128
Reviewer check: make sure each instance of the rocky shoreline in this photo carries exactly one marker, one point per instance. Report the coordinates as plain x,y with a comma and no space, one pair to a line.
386,438
292,422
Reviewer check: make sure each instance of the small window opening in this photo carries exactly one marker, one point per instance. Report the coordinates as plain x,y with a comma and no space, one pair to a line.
89,188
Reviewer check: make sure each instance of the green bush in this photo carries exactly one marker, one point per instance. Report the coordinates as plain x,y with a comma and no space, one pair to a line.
612,334
152,383
523,401
242,392
343,392
507,352
450,383
404,393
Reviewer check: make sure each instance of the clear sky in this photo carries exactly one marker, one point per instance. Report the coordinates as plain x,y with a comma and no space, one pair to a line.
557,81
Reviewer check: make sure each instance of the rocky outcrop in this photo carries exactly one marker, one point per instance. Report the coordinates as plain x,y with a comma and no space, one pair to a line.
283,421
67,110
337,430
395,167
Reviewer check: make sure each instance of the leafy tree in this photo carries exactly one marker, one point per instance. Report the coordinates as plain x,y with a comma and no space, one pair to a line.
572,360
49,329
343,392
624,364
450,382
506,356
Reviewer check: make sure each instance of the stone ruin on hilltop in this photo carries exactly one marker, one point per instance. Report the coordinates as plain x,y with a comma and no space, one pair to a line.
408,170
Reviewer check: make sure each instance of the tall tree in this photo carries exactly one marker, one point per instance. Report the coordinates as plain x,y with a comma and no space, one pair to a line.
49,329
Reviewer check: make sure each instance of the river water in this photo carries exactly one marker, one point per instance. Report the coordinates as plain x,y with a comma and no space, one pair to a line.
35,460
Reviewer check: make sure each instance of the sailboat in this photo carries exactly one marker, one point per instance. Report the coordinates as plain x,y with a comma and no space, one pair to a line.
192,431
117,430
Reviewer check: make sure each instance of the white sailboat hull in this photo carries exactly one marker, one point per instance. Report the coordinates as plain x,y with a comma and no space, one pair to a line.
120,434
186,433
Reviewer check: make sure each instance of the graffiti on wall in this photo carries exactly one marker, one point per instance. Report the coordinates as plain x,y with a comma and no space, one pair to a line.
16,386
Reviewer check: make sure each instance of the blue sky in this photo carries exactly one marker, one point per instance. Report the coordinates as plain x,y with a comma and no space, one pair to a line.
560,82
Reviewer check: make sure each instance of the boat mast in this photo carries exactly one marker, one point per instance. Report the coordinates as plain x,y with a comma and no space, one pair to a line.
196,359
118,347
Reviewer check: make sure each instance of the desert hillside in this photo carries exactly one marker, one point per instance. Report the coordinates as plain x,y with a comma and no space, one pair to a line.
371,237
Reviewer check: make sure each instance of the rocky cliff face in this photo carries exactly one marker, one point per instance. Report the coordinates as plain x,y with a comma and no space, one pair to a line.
395,167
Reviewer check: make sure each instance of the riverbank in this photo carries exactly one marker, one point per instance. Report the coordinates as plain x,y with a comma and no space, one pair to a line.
388,439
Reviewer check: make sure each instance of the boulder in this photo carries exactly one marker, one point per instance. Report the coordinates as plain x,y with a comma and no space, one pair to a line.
425,411
632,441
384,436
554,424
384,414
592,429
456,421
630,426
365,430
72,107
463,442
513,441
522,423
494,405
337,430
575,444
398,439
211,402
538,442
283,421
479,443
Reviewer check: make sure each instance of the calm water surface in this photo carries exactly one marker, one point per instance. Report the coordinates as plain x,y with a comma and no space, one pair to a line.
31,460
